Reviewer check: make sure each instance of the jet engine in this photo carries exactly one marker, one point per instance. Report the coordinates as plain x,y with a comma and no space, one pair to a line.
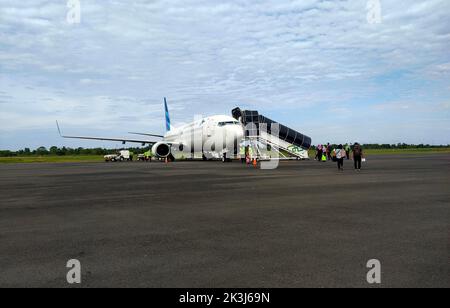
161,149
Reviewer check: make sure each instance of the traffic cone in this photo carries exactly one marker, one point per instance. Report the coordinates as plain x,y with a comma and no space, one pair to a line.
255,163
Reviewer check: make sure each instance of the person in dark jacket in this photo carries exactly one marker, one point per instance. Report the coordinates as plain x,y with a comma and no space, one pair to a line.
357,156
319,152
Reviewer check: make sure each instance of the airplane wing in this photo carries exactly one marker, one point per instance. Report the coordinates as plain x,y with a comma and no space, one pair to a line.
143,142
150,135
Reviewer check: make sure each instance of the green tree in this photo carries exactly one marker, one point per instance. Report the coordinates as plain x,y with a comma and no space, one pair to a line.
42,151
53,150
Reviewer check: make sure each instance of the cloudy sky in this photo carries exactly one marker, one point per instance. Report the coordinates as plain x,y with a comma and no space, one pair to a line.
322,67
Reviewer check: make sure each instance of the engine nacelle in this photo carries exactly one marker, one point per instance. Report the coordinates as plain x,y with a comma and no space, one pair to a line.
161,149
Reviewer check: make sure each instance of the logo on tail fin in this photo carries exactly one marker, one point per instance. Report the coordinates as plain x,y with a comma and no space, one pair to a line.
167,115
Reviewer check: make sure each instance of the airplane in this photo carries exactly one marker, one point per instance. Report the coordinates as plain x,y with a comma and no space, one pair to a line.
208,138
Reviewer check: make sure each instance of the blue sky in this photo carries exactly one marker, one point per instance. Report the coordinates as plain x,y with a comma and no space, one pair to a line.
317,66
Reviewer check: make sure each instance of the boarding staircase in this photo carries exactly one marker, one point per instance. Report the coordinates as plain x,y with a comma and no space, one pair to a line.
271,139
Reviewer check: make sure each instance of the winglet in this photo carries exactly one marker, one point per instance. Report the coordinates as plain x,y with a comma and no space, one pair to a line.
167,115
59,130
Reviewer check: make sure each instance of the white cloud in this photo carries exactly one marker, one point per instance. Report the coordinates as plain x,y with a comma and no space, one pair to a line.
209,56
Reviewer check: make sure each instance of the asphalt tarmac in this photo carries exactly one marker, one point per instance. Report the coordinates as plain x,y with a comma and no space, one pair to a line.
196,224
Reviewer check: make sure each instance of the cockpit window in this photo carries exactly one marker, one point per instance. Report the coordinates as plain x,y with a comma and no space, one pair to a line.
228,123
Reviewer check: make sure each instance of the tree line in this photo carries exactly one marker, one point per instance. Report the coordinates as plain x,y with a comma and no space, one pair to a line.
402,146
65,151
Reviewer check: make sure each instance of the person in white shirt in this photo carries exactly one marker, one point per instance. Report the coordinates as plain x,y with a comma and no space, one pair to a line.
340,155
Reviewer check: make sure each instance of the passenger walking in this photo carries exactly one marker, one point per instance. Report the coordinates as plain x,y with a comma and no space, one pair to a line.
329,149
333,155
247,155
357,156
324,157
319,152
340,155
347,150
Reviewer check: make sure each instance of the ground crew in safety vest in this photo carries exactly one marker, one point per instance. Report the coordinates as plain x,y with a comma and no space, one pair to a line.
242,154
148,156
252,157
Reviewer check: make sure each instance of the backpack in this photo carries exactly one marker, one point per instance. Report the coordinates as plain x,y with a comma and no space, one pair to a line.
357,150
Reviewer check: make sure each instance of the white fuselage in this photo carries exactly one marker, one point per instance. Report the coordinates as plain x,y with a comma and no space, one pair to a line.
210,137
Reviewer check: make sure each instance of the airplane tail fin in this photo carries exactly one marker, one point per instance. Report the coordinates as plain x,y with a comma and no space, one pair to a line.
167,115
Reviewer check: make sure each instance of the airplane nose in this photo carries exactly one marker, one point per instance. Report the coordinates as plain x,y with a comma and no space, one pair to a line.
236,133
240,133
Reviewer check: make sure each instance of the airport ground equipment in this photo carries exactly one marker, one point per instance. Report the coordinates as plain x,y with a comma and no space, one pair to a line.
262,136
147,156
123,155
